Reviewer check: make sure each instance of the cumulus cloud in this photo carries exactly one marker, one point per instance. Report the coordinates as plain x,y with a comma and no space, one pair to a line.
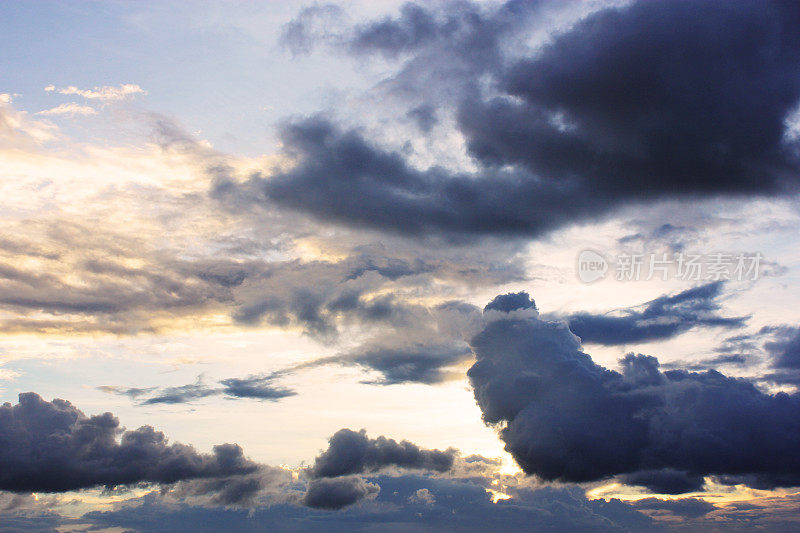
563,417
511,302
54,447
659,319
351,452
337,493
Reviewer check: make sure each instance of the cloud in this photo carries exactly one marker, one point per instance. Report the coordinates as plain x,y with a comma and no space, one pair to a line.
616,109
255,386
423,496
409,364
665,481
410,344
69,109
131,392
259,387
338,169
684,507
312,24
351,452
468,35
8,374
563,417
337,493
511,302
424,116
455,505
785,348
54,447
106,93
782,350
182,394
659,319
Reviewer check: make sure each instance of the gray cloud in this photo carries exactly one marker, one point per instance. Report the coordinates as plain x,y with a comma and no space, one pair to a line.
54,447
351,452
684,507
256,386
600,116
458,505
662,318
334,494
566,418
413,364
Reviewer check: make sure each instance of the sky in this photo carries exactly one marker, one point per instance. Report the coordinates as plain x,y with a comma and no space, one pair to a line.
399,266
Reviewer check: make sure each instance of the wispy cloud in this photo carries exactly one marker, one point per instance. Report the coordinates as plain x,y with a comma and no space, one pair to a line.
70,109
106,93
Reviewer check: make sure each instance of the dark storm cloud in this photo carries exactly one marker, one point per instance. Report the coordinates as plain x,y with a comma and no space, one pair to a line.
648,101
511,302
54,447
567,418
666,481
351,452
340,176
337,493
662,318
